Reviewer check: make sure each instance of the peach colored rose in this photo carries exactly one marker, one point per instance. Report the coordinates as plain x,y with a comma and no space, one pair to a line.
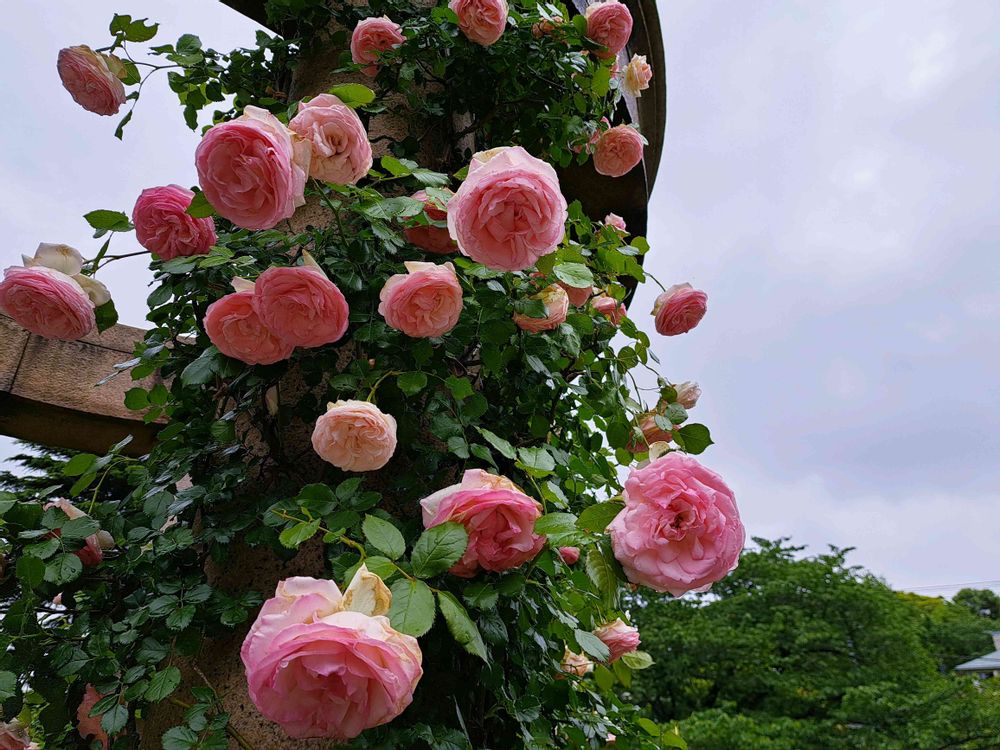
233,325
569,555
46,302
427,236
92,553
679,309
576,664
610,308
87,725
482,21
651,432
556,302
163,226
616,221
301,306
253,169
499,518
424,302
618,151
578,295
341,152
509,212
14,736
371,37
355,436
620,638
545,27
86,75
636,76
609,23
688,394
680,529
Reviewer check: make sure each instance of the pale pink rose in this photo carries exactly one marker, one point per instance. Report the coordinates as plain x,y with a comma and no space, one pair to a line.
545,27
233,325
85,74
253,169
618,151
424,302
87,725
636,76
680,530
688,394
355,436
163,226
679,309
482,21
426,236
371,37
499,518
14,736
92,552
610,308
609,23
301,306
620,638
612,739
578,295
47,302
576,664
509,212
569,555
341,152
556,302
616,221
68,260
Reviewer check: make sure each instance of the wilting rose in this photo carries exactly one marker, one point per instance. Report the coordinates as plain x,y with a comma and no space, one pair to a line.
68,260
253,169
610,308
355,436
679,309
163,226
341,152
509,212
499,518
324,665
556,303
680,530
371,37
87,725
688,394
92,552
636,76
545,27
300,305
620,638
578,295
424,302
616,221
618,150
427,236
85,74
576,664
651,432
233,325
46,302
609,23
482,21
14,736
569,555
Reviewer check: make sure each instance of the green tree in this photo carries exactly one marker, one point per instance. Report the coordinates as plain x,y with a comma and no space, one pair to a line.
982,602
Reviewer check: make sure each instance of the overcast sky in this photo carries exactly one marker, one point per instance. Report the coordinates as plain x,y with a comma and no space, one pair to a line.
830,178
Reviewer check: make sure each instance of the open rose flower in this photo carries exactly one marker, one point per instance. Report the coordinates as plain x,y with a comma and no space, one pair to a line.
14,736
322,664
88,78
424,302
87,725
680,529
688,394
499,518
341,152
620,638
371,37
618,150
46,302
679,309
609,23
556,302
545,27
569,555
509,212
576,664
300,305
163,226
427,236
482,21
616,221
610,308
253,169
355,436
636,76
233,325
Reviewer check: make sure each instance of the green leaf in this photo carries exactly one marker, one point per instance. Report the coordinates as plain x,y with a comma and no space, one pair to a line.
105,315
163,683
30,570
8,685
63,569
597,517
438,548
295,535
556,523
602,575
480,595
462,628
412,608
79,528
637,660
397,167
136,398
505,448
138,31
411,383
537,460
79,464
353,94
202,369
181,617
114,720
200,208
592,645
599,84
574,274
461,388
179,738
384,537
114,221
696,438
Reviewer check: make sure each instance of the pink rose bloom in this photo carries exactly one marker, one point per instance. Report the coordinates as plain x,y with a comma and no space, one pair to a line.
355,436
578,295
47,302
163,226
556,302
609,23
341,152
253,169
610,308
92,553
618,150
637,76
569,555
426,236
679,309
482,21
688,394
576,664
320,667
85,74
372,36
499,518
509,212
620,638
233,325
87,725
14,736
616,221
545,27
424,302
301,306
651,432
680,530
